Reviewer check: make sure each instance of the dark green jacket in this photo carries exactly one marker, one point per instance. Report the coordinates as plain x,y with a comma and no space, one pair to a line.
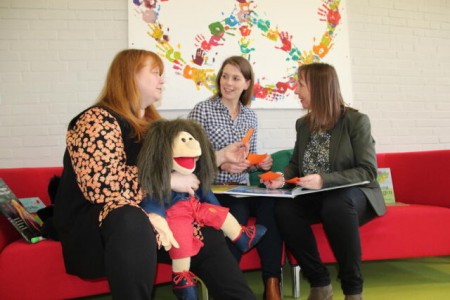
352,156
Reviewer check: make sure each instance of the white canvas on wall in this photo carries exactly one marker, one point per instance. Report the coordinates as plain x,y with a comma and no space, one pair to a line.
194,37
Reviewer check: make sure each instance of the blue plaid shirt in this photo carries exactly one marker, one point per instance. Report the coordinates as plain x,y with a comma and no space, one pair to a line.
222,130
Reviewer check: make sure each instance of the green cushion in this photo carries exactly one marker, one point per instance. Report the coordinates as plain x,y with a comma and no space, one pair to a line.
280,161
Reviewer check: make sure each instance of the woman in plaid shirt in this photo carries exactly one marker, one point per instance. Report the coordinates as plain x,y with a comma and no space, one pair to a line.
226,117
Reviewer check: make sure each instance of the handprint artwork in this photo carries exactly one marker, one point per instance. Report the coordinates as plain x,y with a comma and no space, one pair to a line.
193,37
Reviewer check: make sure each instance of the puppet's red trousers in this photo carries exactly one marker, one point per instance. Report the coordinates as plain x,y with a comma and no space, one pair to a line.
181,217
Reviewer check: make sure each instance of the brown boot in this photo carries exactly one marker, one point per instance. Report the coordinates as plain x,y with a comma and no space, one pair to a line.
354,297
321,293
272,289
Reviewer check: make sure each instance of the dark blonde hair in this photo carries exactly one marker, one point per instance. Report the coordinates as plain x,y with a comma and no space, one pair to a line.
120,92
327,104
247,71
155,160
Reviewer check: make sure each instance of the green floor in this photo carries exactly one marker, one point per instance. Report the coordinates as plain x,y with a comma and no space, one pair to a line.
409,279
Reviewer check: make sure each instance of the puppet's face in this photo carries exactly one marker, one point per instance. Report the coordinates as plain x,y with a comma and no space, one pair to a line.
186,150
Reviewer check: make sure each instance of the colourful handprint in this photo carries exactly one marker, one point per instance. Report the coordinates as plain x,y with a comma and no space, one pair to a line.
286,41
199,57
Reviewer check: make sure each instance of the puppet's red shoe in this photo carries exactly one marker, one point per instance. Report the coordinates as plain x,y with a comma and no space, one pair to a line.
184,285
249,237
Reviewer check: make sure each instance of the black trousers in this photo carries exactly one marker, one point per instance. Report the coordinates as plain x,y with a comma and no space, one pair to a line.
341,212
270,247
131,258
217,267
129,253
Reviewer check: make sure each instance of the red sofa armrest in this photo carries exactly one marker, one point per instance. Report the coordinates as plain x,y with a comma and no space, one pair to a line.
419,177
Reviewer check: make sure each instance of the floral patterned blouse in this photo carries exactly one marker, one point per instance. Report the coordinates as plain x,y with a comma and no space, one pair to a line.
99,159
317,154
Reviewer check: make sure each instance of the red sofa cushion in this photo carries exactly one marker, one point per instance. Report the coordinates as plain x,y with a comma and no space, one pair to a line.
30,182
419,177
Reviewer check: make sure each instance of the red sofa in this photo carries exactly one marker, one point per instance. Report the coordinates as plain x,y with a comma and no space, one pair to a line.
418,228
36,271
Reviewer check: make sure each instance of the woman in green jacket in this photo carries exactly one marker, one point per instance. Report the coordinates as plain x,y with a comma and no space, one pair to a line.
334,147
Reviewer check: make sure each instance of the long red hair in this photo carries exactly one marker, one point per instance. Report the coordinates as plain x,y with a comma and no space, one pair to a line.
120,92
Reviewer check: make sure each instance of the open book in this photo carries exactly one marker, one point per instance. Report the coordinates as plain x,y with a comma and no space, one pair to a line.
18,214
252,191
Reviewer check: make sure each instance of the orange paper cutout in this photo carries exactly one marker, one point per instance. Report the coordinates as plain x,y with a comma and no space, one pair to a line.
293,180
248,135
255,159
269,176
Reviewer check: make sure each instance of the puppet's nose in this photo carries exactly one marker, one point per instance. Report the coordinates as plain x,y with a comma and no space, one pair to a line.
194,145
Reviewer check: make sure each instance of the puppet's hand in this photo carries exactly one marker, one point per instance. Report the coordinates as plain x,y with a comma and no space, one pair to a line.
164,235
184,183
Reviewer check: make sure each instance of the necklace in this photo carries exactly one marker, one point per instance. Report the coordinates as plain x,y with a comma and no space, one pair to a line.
235,112
234,108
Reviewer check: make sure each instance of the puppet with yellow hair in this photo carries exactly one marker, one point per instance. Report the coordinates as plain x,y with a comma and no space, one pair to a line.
182,146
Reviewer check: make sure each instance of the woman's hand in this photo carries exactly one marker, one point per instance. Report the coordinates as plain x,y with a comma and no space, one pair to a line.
266,164
234,168
312,181
274,183
234,153
184,183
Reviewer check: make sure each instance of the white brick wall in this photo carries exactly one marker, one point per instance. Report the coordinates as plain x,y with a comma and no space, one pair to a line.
54,55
